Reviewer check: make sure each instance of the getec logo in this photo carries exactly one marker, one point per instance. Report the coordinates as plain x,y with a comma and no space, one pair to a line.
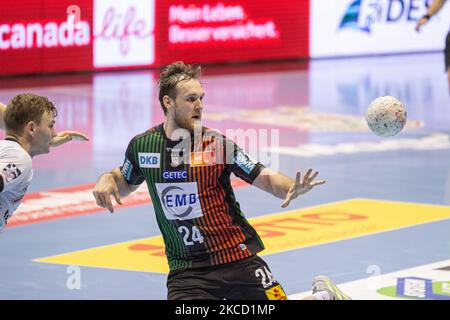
180,201
149,160
174,175
363,15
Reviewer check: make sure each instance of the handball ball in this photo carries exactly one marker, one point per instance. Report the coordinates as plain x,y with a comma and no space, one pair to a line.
386,116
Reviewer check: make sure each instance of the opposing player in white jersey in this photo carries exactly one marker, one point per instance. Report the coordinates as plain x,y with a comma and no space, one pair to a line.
29,122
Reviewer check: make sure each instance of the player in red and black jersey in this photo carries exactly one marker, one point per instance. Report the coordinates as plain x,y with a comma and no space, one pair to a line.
210,246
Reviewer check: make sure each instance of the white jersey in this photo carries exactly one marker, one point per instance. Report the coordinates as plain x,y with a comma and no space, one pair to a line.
16,172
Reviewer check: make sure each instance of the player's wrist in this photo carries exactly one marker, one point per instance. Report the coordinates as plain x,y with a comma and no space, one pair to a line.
427,17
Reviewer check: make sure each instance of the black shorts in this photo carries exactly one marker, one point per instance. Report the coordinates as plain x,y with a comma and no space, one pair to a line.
247,279
447,52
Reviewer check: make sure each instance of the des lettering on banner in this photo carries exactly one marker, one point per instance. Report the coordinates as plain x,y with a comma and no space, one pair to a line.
359,27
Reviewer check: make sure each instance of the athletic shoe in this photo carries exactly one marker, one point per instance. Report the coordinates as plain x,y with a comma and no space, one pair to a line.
322,283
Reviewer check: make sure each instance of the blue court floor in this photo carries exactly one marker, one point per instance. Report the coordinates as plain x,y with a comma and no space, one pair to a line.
315,113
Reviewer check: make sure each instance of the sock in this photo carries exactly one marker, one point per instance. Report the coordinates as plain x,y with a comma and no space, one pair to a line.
322,295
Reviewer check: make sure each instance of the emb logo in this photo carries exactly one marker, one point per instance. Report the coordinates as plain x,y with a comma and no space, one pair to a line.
180,201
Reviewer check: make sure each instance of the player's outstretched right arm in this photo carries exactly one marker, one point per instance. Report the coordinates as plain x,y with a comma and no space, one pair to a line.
111,184
434,8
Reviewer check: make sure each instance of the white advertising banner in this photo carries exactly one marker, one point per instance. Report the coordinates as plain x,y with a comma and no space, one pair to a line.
124,33
359,27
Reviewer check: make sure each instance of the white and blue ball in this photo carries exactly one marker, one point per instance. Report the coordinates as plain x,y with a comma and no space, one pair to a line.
386,116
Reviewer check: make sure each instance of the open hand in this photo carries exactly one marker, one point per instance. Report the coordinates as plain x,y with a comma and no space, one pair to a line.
66,136
420,23
302,187
104,189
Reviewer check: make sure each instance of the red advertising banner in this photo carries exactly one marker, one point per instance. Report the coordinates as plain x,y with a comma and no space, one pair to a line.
39,36
56,35
222,31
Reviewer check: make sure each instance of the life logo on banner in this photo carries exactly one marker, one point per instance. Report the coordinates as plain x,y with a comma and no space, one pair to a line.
124,33
180,201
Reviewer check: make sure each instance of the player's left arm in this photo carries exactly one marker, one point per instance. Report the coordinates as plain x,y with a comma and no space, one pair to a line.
251,171
284,187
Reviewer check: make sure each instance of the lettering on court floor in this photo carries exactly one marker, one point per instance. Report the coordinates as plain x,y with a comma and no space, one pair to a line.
280,232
